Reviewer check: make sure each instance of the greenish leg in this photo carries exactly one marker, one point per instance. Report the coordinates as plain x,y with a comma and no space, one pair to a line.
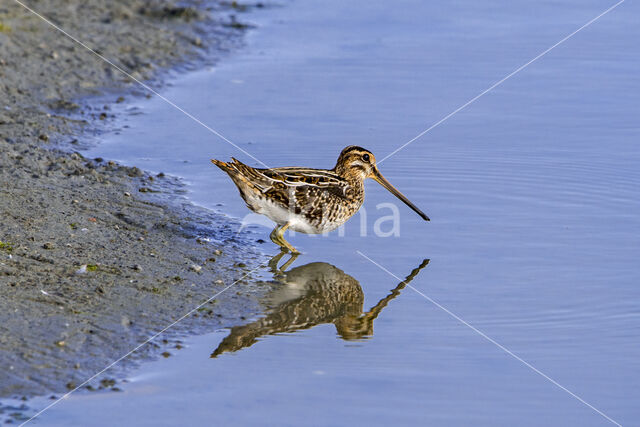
277,237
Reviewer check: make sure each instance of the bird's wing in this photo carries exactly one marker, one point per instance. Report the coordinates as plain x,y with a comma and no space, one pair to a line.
291,178
294,176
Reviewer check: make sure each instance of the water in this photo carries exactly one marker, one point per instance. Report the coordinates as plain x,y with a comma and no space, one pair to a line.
533,191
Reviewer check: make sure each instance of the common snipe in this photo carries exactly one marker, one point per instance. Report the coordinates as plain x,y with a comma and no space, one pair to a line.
311,201
310,295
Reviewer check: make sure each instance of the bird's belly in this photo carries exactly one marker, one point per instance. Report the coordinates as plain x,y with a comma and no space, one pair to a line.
302,225
274,211
297,222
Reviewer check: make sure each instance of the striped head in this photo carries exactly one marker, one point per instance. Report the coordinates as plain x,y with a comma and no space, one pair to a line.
357,164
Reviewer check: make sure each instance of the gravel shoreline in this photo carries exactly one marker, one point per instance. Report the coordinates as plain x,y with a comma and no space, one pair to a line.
92,260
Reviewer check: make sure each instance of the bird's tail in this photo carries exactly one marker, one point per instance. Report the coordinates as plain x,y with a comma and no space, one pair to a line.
234,167
222,165
238,171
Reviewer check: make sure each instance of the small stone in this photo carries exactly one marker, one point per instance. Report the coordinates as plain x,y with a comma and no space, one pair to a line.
166,354
75,201
127,194
48,245
137,267
196,268
103,116
44,137
120,99
144,190
219,282
61,343
135,172
217,252
141,238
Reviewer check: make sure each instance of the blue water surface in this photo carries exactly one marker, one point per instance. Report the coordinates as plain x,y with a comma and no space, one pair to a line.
533,191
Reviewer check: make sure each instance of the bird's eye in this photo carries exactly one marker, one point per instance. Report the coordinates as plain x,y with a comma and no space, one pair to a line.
366,158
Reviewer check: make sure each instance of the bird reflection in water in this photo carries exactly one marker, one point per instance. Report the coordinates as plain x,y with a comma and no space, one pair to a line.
310,295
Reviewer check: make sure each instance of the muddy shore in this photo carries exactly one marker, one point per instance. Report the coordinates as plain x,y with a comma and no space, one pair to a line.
93,257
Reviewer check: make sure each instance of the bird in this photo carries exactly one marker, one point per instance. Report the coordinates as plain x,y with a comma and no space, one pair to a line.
311,201
310,295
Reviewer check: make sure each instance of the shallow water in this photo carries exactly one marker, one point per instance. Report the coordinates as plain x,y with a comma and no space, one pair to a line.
533,191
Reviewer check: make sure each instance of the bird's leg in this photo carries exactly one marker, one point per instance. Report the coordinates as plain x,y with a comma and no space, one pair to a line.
277,237
274,236
286,244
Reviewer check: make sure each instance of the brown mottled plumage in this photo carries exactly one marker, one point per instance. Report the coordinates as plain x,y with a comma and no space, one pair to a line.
308,200
311,295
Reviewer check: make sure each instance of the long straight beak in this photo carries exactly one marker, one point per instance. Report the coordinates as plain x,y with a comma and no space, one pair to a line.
386,184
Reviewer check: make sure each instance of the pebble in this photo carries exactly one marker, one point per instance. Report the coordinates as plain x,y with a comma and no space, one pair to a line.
48,245
217,252
135,172
141,238
127,194
137,267
195,268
